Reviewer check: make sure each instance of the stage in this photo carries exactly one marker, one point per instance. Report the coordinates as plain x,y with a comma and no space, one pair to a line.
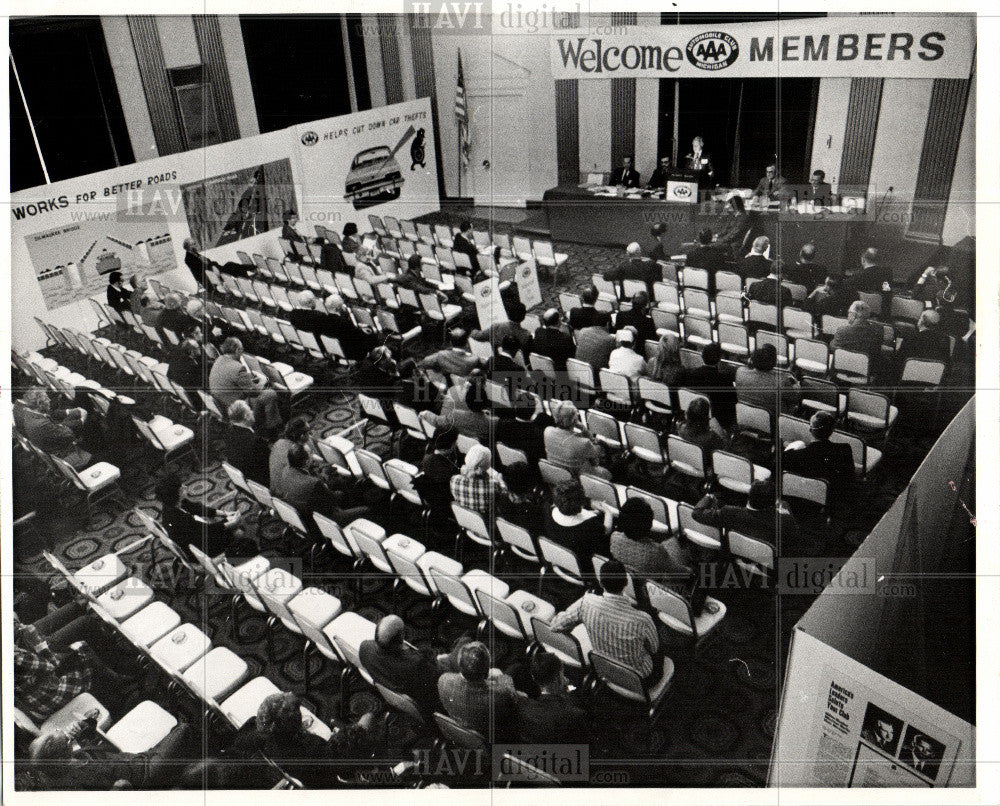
577,216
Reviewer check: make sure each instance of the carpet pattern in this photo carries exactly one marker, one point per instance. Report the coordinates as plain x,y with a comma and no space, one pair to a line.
714,729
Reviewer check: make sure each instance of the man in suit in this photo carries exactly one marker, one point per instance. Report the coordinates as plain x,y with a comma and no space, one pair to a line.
594,345
871,278
636,267
805,270
715,381
502,363
479,697
174,318
555,716
757,519
639,318
464,242
770,291
833,298
708,257
699,162
399,666
196,262
552,341
331,259
859,334
309,493
626,176
659,251
245,449
498,331
525,430
307,316
818,191
453,360
587,315
658,179
288,231
756,265
772,186
355,342
229,380
928,343
821,458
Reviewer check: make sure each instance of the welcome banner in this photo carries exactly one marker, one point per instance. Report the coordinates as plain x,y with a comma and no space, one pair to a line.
898,46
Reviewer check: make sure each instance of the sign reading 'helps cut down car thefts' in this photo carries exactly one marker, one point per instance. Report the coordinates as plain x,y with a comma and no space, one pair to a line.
900,46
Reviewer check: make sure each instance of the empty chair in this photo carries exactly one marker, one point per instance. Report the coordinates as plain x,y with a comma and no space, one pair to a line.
685,457
735,472
820,395
562,561
870,412
697,330
906,310
553,474
793,429
815,491
666,297
625,681
753,418
866,459
644,442
675,612
729,308
850,367
617,388
696,302
727,281
605,428
655,396
812,356
708,537
917,371
734,339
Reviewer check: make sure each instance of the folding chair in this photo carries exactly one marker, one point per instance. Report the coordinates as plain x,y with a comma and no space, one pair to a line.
675,612
644,443
851,367
751,554
736,473
626,683
697,330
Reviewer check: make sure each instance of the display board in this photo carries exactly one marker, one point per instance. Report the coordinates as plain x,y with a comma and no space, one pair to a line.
67,237
380,161
848,46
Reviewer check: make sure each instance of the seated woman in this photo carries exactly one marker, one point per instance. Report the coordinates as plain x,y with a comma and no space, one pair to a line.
78,758
278,733
52,430
633,545
467,412
478,486
567,445
416,389
665,366
702,429
582,531
190,522
759,385
296,433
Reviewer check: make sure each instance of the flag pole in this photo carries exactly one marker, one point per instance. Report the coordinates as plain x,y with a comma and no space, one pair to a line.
458,154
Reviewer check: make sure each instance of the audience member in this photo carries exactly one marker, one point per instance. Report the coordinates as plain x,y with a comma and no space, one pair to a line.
665,366
118,293
594,345
479,697
707,256
191,522
523,505
52,430
296,433
821,458
636,267
552,341
436,471
624,358
831,298
570,524
525,430
871,278
928,343
455,359
244,449
478,485
756,265
615,627
567,445
555,716
229,380
859,334
400,666
702,429
770,291
805,270
714,381
644,557
759,385
587,314
638,317
174,318
308,493
463,242
498,331
759,519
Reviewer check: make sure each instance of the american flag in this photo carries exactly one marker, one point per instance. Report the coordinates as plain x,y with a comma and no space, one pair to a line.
462,116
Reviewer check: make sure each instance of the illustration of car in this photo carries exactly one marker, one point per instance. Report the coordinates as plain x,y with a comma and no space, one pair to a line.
375,177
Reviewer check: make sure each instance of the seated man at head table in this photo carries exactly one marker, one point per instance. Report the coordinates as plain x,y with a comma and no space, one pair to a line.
658,179
626,176
818,191
772,187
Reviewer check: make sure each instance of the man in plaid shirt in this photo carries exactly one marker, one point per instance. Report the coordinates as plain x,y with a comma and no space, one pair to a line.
615,627
477,486
45,681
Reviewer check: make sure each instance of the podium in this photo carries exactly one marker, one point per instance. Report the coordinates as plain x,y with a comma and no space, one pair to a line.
682,186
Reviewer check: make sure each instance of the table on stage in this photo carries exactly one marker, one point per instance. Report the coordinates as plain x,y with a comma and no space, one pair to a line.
576,215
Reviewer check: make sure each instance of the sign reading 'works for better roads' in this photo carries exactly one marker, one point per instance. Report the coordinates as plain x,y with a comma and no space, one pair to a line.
904,46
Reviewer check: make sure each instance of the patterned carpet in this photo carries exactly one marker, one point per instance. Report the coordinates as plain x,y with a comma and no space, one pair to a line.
714,729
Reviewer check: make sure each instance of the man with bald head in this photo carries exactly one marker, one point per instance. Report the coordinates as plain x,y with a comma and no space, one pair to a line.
552,341
636,267
756,265
872,277
805,270
928,343
400,666
312,315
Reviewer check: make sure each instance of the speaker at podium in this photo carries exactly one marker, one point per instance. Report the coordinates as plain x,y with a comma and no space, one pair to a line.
682,186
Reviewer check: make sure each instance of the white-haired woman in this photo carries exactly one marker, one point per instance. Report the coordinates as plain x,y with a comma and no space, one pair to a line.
568,445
